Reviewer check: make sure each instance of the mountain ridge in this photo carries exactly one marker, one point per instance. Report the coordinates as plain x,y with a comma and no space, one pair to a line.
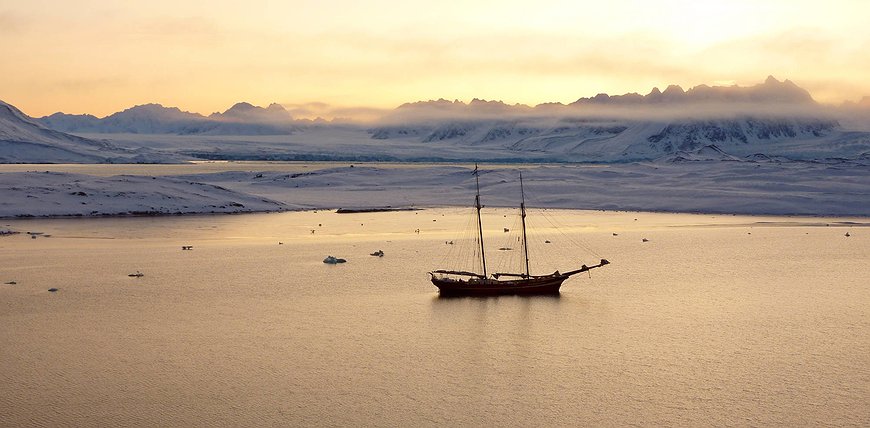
275,119
27,141
772,118
771,91
240,119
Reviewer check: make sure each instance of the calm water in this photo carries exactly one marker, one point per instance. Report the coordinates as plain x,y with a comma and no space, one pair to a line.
717,320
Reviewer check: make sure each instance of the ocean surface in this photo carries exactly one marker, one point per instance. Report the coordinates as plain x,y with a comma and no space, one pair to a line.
715,320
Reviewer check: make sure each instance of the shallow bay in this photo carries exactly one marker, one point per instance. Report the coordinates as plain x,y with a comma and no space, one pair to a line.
716,320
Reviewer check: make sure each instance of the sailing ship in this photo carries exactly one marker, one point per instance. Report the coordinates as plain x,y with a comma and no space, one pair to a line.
467,283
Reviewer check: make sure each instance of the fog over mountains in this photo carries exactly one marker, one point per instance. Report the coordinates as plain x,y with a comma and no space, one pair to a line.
673,102
763,149
246,119
774,118
771,91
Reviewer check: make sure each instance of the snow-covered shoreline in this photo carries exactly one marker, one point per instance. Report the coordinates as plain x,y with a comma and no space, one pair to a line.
716,187
52,194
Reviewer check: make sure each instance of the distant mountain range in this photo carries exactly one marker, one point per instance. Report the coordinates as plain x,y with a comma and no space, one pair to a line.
240,119
617,140
761,118
23,140
775,118
247,119
770,93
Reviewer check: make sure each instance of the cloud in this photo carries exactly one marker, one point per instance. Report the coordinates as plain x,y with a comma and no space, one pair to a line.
11,23
361,114
314,110
185,29
831,68
307,110
769,99
385,54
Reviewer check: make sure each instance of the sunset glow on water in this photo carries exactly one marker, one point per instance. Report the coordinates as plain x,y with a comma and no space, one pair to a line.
715,319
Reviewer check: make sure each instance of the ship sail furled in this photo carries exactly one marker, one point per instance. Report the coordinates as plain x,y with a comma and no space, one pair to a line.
466,282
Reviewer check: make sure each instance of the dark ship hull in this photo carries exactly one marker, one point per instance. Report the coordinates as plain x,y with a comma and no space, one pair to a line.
466,283
549,284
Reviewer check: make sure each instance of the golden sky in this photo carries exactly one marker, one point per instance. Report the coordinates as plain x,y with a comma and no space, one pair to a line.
96,56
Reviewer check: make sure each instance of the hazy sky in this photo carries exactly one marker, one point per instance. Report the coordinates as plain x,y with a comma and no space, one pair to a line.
93,56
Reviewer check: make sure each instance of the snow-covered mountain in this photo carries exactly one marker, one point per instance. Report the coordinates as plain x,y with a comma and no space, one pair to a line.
609,140
141,119
772,91
708,153
774,118
693,134
151,119
70,122
22,140
246,112
247,119
240,119
733,99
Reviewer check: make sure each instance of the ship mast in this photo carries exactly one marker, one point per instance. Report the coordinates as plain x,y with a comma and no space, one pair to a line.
477,205
523,215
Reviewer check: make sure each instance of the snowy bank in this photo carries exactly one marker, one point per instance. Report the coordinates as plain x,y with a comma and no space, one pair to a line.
800,188
38,194
835,188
